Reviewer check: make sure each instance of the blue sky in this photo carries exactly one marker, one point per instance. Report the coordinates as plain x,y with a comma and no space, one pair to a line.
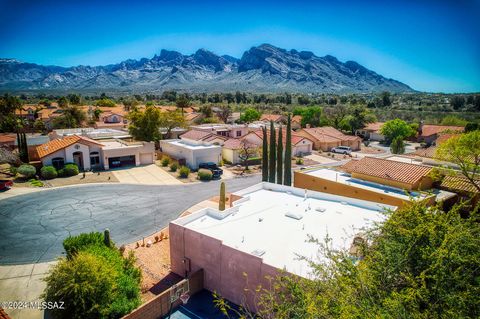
430,45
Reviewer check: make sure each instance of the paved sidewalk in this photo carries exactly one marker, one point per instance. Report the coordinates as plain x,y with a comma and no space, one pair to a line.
19,191
146,175
23,283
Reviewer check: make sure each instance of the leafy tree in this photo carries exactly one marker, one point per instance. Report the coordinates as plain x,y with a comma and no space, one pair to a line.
311,115
464,151
420,263
396,129
280,157
74,99
471,126
9,122
145,126
39,125
171,120
206,110
182,102
63,102
476,102
250,115
335,115
385,96
264,155
105,102
397,146
287,175
170,96
358,116
457,102
72,116
129,103
272,155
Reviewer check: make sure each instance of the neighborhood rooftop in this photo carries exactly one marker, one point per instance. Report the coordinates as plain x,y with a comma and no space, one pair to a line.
386,169
274,222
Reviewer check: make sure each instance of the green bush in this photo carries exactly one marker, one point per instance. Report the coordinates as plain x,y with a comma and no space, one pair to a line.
48,172
204,174
299,161
73,244
13,170
173,167
27,170
397,146
165,161
70,170
35,182
184,172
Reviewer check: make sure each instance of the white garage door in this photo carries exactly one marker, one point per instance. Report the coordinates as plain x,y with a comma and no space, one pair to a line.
146,158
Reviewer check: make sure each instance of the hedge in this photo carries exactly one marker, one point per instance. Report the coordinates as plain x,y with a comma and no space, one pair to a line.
27,170
48,172
204,174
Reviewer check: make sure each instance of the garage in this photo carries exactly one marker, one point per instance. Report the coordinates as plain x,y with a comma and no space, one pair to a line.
146,158
121,161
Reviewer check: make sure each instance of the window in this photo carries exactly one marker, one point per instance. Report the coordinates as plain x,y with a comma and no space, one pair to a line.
94,159
58,162
239,133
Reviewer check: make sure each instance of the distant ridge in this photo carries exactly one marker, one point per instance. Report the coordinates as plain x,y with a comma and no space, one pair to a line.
264,68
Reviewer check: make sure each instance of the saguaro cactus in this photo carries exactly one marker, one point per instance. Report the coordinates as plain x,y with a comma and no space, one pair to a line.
221,203
106,237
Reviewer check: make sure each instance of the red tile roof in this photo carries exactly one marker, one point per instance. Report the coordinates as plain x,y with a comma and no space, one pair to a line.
3,314
428,152
428,130
297,119
374,127
459,184
61,143
7,138
329,134
387,169
295,138
196,135
271,117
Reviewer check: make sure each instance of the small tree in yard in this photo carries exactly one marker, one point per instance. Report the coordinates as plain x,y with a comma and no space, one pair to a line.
264,155
280,157
246,152
272,155
396,129
397,146
221,202
464,151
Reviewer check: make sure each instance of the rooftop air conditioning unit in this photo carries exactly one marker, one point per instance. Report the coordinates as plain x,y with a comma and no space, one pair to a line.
294,215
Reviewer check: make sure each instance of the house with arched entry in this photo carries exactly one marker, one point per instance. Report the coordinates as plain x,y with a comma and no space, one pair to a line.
90,154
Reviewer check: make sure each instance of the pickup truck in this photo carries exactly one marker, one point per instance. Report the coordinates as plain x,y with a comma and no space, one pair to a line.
5,184
212,167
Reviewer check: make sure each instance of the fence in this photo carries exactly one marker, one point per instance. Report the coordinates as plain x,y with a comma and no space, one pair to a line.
162,304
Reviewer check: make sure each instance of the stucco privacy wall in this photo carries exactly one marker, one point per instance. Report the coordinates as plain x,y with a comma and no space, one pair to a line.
224,267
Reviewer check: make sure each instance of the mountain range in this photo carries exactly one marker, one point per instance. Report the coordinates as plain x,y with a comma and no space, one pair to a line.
264,68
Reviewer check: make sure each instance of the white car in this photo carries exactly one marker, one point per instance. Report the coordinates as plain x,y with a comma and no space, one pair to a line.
342,150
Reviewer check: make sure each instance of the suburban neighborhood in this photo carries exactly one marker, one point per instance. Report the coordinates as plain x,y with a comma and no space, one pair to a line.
227,160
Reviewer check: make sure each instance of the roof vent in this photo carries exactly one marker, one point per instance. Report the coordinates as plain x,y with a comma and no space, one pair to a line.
320,209
294,215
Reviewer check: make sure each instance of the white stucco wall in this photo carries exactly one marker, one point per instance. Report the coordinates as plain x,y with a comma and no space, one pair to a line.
192,156
78,147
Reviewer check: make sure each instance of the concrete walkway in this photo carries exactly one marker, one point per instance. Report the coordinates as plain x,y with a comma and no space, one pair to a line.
23,283
146,175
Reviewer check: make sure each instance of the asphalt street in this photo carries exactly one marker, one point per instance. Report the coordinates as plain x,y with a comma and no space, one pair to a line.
33,226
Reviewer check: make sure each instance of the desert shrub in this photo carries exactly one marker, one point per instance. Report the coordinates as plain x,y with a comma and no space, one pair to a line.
73,244
35,182
366,143
220,163
70,170
397,146
13,170
173,167
165,161
299,161
204,174
184,172
48,172
27,170
97,283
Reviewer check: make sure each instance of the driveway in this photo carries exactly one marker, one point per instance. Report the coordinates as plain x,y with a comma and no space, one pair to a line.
33,226
146,175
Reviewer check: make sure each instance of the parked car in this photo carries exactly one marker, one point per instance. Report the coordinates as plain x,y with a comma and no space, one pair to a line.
212,167
342,150
5,184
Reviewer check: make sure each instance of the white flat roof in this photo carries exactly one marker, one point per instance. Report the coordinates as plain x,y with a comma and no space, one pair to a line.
258,223
345,178
182,143
111,145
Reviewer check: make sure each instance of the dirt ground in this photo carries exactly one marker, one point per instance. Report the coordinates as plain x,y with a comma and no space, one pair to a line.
370,150
101,177
192,177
